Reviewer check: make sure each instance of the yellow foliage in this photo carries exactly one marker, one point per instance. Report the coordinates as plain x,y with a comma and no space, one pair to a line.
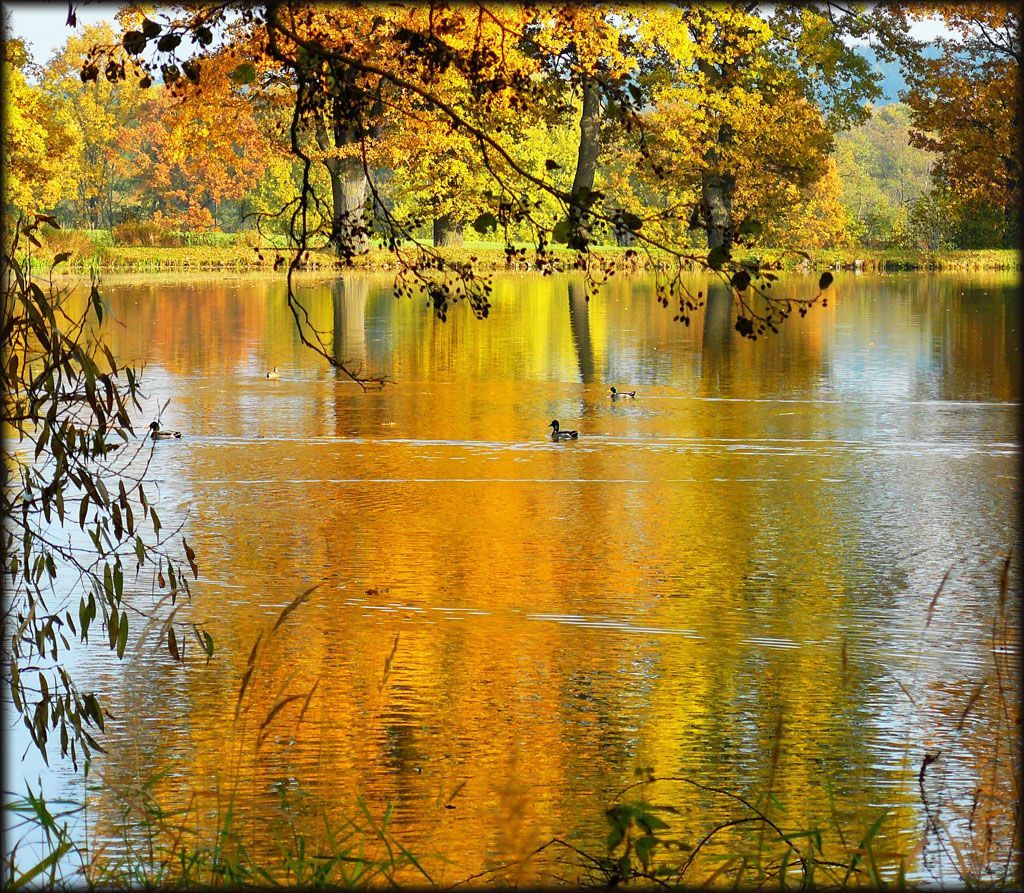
40,141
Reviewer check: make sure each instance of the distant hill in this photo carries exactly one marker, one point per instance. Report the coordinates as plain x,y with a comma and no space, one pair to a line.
890,78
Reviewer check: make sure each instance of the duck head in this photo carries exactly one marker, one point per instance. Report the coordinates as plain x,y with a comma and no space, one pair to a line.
154,426
554,424
614,392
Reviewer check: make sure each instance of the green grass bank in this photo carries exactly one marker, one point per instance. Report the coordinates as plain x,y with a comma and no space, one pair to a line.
94,251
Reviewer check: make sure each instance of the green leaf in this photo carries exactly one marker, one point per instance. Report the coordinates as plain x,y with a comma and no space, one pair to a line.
150,28
717,257
244,73
615,837
45,865
169,43
83,619
561,231
650,822
208,643
644,846
122,636
92,708
485,223
134,42
15,684
97,303
750,227
631,221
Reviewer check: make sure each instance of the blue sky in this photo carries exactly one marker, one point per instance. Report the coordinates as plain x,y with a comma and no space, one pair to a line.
42,24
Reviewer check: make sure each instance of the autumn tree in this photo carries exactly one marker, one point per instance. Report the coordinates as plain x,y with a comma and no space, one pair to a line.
768,54
40,140
965,100
198,147
104,113
882,175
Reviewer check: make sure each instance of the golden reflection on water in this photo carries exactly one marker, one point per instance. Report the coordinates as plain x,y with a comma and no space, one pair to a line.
505,629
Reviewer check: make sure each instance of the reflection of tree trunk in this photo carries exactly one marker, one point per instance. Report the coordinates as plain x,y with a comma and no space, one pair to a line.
586,160
716,343
579,323
348,299
447,232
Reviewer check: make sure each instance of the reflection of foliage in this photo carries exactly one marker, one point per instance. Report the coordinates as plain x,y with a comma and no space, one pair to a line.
76,514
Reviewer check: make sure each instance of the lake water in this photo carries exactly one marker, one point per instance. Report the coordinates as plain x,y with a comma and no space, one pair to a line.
728,579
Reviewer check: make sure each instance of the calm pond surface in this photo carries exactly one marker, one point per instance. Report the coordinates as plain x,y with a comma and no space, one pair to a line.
506,629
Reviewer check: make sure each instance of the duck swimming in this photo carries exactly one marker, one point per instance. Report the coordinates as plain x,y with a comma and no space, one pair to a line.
616,394
557,435
274,373
156,433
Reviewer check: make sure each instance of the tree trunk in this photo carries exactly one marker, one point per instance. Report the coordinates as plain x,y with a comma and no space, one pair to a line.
716,192
624,238
586,163
447,232
717,186
349,235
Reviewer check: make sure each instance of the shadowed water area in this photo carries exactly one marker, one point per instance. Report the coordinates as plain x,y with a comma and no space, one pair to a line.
507,628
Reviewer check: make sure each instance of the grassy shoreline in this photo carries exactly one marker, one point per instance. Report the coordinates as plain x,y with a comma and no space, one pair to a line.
492,257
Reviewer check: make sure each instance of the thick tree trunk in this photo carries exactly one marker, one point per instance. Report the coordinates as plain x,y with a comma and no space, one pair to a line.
624,238
447,232
586,162
348,196
717,185
716,193
348,192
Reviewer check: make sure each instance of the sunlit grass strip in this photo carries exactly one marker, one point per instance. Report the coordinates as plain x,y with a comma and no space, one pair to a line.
493,257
